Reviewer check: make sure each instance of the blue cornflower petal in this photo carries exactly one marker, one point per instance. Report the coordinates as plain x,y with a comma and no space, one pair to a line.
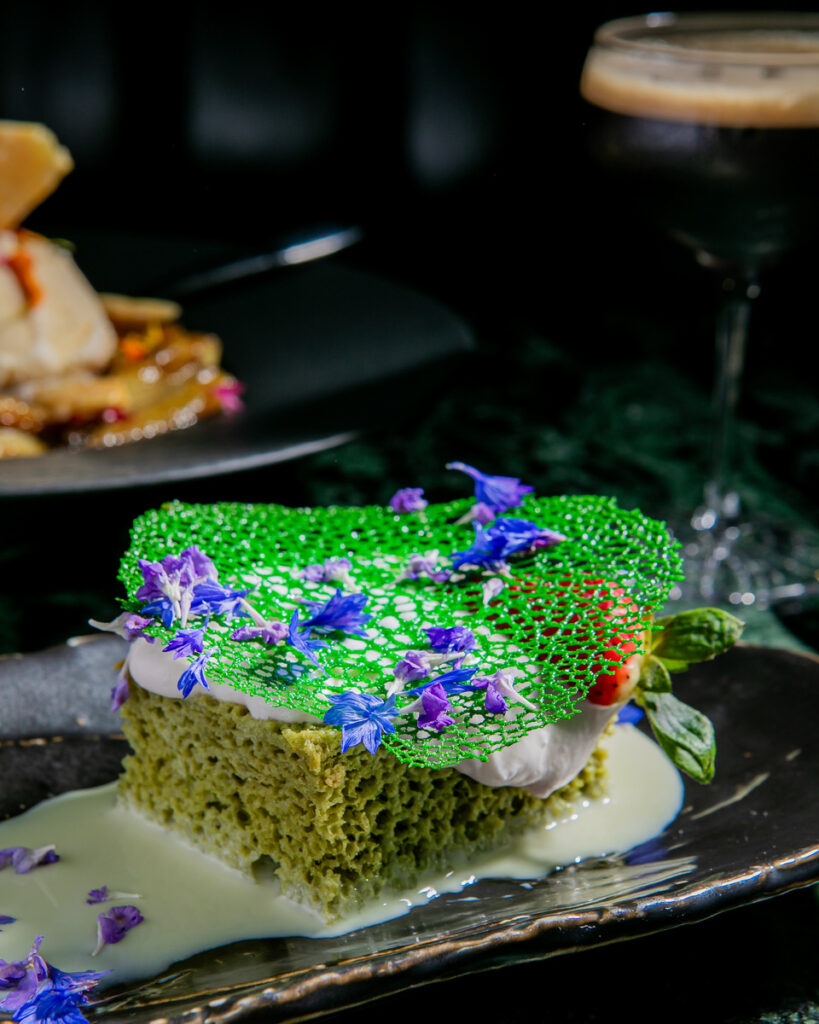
340,612
629,714
363,717
193,674
500,493
452,682
187,641
302,641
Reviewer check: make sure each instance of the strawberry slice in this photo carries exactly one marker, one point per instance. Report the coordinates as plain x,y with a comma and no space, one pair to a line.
619,670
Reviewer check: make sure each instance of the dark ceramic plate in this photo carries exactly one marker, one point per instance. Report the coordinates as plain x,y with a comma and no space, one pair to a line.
752,834
324,351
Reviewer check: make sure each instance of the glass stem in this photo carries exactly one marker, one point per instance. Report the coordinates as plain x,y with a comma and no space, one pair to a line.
721,501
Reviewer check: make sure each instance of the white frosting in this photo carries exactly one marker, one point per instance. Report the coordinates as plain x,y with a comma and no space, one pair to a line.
545,759
159,672
541,762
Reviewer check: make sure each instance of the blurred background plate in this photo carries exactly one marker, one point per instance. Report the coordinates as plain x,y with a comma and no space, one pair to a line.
324,351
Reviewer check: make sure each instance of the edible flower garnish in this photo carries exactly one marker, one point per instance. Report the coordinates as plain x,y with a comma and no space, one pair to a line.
211,598
5,919
168,584
408,499
452,682
23,859
103,895
340,612
629,714
363,718
499,493
113,926
497,687
120,691
425,565
435,709
493,544
332,570
34,992
187,641
128,625
454,639
194,674
302,641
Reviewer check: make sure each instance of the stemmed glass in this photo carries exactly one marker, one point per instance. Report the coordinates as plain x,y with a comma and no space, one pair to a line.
709,124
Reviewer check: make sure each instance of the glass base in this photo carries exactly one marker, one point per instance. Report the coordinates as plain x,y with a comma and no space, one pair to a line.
739,563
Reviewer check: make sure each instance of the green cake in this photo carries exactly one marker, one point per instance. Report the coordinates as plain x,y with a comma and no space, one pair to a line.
353,696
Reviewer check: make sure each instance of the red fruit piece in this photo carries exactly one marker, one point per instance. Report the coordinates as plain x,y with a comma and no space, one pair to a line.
609,687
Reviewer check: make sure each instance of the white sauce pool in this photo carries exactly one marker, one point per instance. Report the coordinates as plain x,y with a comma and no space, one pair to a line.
191,902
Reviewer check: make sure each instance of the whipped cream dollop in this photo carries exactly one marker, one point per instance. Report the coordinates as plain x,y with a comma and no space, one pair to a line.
543,761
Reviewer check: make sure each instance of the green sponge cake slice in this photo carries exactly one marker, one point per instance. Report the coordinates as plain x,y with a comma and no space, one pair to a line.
338,828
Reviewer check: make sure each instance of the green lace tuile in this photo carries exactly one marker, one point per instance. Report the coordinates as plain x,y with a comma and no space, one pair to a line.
560,610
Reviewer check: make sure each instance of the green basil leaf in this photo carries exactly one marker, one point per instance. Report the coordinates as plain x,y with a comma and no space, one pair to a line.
654,676
696,635
684,733
673,665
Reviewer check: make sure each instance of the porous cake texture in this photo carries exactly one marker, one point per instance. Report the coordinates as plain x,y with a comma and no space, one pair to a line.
338,828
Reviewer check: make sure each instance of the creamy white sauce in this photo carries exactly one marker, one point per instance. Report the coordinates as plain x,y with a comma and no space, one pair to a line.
191,902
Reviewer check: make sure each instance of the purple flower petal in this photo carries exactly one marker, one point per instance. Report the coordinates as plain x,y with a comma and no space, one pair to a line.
121,691
452,682
97,895
23,859
413,666
499,493
114,926
339,613
451,639
408,499
271,632
128,625
211,598
5,919
363,717
187,641
333,570
37,993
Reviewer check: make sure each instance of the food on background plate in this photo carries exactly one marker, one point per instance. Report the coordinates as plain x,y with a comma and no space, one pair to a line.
343,701
78,368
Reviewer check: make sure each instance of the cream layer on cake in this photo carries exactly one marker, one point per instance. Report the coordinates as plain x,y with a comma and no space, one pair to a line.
541,763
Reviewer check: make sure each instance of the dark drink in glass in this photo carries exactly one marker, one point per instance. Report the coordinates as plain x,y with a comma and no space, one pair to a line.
708,126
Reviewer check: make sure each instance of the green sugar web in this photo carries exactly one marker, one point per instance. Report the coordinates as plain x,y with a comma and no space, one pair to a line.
566,613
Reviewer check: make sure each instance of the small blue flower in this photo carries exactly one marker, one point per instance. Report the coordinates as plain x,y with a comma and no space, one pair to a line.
34,992
363,717
194,674
505,537
302,642
23,859
408,499
53,1006
187,641
499,493
169,584
340,612
452,682
164,608
211,598
425,565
